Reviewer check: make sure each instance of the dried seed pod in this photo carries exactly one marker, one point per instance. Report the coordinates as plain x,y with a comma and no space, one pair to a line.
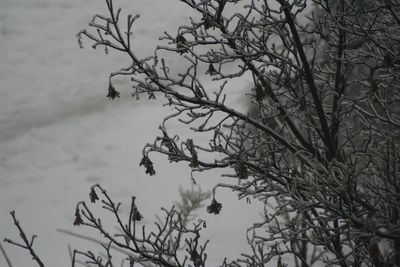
146,162
112,93
78,219
215,207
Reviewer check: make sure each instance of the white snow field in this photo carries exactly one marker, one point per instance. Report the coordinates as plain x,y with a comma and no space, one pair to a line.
59,134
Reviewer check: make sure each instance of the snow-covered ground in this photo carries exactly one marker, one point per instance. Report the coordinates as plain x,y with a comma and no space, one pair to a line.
59,134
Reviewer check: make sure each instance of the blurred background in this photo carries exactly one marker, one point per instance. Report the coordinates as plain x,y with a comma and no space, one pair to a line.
59,134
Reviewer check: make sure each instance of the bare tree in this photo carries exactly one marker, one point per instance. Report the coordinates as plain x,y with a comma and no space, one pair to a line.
321,144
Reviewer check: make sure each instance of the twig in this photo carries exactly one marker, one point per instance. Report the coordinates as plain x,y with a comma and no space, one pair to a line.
27,244
5,256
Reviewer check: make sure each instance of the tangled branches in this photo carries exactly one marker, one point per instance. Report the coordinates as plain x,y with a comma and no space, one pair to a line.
320,144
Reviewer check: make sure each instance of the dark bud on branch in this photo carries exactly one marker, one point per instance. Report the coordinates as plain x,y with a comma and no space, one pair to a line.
136,216
181,44
93,196
211,70
78,219
195,161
